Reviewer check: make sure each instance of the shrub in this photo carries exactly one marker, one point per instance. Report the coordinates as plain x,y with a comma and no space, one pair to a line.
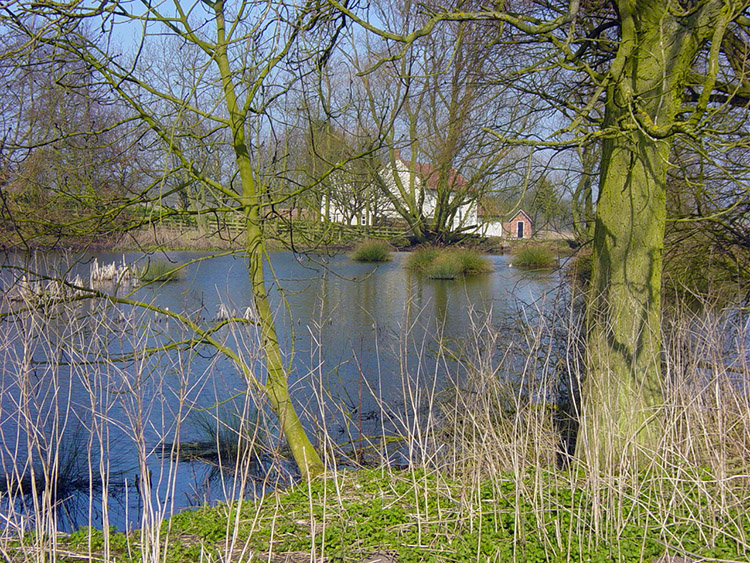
696,265
535,256
158,271
372,251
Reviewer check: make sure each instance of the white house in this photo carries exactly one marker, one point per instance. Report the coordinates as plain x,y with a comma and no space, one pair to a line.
358,210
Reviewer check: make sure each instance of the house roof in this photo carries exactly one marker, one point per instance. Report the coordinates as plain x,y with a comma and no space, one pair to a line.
489,208
520,212
430,174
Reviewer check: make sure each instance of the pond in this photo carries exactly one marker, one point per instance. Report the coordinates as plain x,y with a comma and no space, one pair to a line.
106,402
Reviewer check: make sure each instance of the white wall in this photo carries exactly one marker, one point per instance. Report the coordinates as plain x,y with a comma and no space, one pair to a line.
492,229
466,215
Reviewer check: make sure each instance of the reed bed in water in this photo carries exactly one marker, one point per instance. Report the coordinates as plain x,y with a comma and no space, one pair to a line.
372,251
158,237
474,469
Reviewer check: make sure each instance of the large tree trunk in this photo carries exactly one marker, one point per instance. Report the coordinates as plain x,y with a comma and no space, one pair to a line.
622,394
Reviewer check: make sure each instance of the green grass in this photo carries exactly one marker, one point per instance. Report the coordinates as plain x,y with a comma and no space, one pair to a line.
372,251
535,256
158,271
447,263
444,267
425,516
472,262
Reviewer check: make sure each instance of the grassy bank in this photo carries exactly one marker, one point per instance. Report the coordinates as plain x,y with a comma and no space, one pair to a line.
184,233
164,238
420,515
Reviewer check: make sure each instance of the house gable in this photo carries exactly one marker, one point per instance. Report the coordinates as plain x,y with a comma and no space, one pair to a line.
518,226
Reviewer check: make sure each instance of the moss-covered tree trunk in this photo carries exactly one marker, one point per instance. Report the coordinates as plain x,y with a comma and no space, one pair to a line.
622,391
306,457
622,394
276,386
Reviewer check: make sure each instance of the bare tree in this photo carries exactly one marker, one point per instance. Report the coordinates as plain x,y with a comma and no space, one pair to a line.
432,99
656,72
68,154
244,58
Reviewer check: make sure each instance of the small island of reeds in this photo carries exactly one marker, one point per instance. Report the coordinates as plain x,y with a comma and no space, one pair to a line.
447,263
536,256
372,250
158,271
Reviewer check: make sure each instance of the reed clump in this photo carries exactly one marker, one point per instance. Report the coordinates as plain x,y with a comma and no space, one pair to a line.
447,263
225,438
372,251
534,256
158,271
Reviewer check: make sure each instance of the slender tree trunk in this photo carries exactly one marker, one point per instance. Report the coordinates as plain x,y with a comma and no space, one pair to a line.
307,459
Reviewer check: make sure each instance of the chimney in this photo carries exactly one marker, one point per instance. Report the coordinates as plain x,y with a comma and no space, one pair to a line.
397,154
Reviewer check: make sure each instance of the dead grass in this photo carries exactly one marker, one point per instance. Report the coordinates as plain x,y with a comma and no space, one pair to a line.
482,452
168,238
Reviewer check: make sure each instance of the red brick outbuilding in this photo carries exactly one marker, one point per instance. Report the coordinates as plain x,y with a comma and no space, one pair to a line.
519,226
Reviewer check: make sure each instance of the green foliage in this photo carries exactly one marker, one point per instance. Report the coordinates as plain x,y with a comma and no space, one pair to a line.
447,263
91,541
158,271
207,524
372,251
534,256
421,516
89,537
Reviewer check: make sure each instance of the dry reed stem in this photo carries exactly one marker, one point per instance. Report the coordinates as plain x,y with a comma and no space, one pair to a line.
492,424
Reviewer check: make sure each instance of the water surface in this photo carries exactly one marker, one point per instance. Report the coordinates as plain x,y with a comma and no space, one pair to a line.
357,339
